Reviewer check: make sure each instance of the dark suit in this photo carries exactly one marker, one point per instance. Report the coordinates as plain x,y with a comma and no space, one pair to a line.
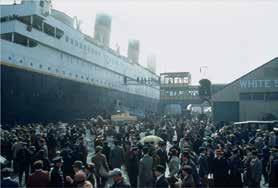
188,181
121,184
220,172
236,168
8,183
57,178
100,160
204,168
116,157
146,171
162,156
132,168
39,178
161,182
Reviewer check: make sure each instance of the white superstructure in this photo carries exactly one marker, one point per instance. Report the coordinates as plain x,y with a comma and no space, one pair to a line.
38,38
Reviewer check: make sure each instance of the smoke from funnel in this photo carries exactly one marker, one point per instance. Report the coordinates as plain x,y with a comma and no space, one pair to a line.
133,51
103,29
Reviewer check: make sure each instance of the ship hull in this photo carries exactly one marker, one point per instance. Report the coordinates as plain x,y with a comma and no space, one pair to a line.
28,96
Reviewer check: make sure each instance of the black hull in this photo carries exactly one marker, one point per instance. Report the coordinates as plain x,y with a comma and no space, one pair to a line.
34,97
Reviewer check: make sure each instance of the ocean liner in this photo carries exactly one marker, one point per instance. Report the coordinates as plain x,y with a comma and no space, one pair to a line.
51,71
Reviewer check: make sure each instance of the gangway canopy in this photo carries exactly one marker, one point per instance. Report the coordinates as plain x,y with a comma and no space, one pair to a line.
123,117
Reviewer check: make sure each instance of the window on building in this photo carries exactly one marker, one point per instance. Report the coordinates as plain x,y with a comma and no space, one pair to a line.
32,43
49,68
245,96
258,96
37,22
20,39
67,39
49,30
71,41
6,36
40,66
59,33
41,3
271,96
25,19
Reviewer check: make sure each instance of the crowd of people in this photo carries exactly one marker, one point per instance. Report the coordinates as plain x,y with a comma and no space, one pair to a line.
189,154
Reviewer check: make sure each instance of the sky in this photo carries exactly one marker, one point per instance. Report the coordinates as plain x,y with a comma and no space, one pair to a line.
226,38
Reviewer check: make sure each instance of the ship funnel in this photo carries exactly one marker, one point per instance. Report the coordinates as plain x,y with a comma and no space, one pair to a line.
133,51
151,63
103,29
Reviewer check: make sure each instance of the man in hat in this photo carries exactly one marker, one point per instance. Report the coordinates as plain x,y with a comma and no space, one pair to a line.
187,178
220,169
162,153
203,166
116,156
56,174
255,170
82,150
236,168
90,173
43,146
133,165
24,160
6,180
146,169
161,181
79,176
15,148
119,181
174,163
273,168
106,150
186,160
101,166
